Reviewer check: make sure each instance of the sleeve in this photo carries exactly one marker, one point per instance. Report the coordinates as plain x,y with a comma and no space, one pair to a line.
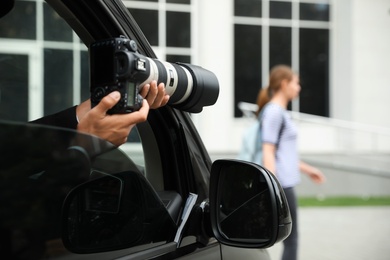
66,118
271,124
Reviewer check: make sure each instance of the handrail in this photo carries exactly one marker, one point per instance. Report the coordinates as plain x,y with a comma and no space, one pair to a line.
349,136
340,123
248,109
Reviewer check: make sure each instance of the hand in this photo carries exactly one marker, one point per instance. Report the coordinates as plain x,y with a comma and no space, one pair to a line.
155,95
316,175
113,128
116,128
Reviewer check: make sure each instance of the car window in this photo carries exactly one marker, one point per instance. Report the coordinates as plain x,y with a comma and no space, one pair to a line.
45,69
62,191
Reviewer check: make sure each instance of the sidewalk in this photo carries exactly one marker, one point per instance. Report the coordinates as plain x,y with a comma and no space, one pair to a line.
342,233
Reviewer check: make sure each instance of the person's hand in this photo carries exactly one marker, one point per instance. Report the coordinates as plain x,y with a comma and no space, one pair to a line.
113,128
116,128
314,173
155,95
316,176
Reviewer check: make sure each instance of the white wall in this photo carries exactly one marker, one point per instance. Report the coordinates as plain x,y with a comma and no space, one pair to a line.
216,124
360,61
371,57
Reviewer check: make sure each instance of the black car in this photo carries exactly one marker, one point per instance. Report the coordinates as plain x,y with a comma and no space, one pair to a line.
67,195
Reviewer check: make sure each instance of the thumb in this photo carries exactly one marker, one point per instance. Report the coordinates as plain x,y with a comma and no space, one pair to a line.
108,101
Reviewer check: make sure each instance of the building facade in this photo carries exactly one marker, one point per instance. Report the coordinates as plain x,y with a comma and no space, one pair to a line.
340,49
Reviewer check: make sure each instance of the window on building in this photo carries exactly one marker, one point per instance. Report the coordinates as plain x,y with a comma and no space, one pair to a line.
167,26
295,33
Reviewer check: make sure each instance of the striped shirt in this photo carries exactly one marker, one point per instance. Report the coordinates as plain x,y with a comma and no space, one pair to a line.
275,118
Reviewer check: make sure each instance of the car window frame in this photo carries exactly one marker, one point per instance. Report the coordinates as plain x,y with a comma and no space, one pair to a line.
113,19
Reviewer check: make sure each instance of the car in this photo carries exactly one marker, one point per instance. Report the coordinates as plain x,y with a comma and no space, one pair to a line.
69,195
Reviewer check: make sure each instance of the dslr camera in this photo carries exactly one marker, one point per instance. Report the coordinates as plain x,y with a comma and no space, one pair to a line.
116,65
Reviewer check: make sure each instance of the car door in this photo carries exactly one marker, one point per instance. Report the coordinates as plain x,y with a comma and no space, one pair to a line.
162,156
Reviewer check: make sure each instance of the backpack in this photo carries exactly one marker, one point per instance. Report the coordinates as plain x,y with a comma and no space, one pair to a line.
251,146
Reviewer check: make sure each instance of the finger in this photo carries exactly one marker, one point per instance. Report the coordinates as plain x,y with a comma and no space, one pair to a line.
145,90
161,98
140,115
144,110
107,102
165,100
153,91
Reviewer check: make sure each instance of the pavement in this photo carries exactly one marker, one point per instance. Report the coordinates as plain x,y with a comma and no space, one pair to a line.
342,233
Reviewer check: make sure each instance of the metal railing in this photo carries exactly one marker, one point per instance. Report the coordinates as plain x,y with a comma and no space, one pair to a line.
334,135
341,145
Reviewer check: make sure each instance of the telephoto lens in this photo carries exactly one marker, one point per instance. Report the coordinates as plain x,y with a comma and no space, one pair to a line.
116,65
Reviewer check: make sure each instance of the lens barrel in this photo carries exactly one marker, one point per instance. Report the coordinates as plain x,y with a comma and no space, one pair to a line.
190,87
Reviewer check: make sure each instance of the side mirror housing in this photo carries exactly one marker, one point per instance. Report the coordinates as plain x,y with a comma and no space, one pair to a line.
248,207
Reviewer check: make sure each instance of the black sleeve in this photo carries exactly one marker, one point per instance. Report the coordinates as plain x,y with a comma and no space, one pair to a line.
66,118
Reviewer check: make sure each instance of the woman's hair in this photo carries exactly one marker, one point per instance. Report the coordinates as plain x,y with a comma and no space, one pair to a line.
277,75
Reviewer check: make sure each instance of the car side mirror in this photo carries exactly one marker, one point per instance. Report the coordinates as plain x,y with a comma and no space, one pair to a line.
248,207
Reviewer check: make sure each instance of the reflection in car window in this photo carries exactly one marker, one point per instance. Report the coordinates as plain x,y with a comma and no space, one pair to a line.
40,168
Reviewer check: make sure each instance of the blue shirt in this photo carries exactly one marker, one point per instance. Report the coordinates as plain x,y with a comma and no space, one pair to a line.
277,128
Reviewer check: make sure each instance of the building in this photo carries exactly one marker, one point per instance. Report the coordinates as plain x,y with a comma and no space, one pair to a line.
340,48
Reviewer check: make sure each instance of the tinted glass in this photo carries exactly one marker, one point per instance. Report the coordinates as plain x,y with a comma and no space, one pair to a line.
14,87
114,211
314,12
281,10
20,22
37,170
247,64
55,29
279,46
178,29
112,208
148,21
250,8
58,78
314,71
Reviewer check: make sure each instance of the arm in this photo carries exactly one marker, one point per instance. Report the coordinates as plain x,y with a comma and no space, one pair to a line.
315,174
65,118
269,157
96,121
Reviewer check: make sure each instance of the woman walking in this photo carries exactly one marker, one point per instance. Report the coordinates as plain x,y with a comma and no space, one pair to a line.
279,143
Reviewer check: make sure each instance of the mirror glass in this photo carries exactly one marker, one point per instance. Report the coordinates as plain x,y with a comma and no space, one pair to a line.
245,204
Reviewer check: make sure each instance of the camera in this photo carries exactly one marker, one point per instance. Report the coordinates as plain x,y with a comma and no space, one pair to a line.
116,64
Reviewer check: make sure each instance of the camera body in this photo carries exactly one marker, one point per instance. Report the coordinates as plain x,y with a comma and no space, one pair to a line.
115,66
